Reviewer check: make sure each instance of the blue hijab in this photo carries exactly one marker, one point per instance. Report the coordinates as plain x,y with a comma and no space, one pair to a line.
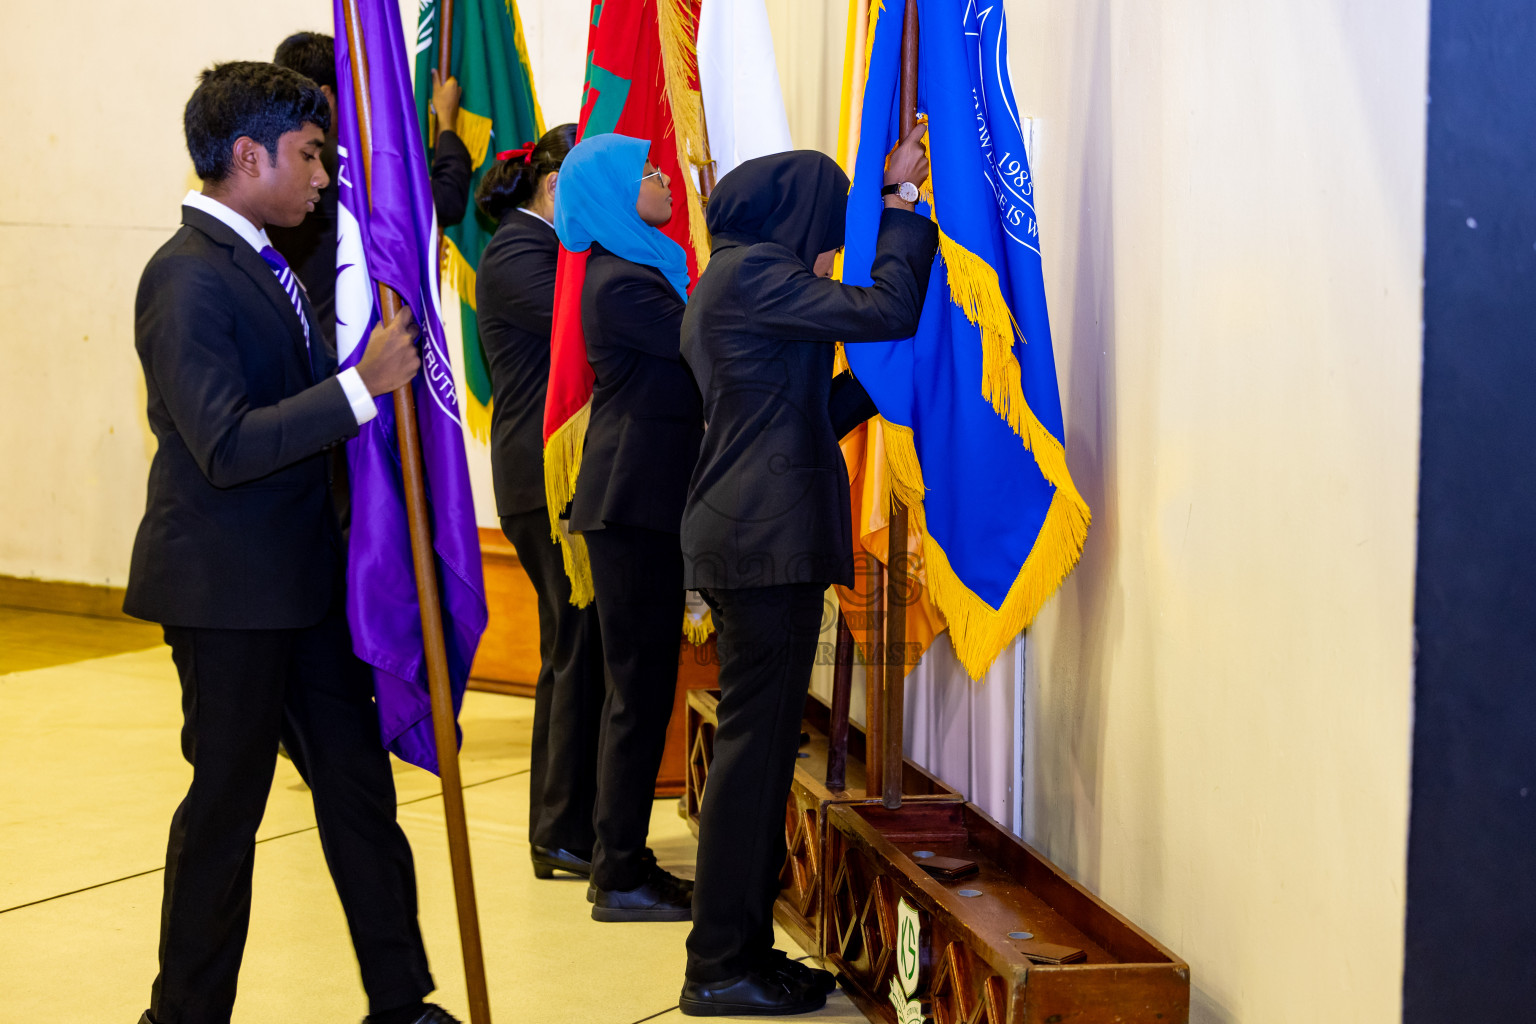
595,202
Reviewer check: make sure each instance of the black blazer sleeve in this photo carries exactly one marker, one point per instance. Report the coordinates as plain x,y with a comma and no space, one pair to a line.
848,404
784,299
521,274
450,179
641,311
187,338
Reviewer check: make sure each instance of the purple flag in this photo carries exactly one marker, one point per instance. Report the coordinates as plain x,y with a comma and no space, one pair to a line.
387,234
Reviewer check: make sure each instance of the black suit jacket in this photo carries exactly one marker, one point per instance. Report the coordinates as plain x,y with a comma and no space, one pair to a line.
238,529
515,303
768,503
310,248
643,438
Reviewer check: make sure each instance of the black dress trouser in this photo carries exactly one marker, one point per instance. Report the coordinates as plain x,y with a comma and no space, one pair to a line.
567,699
638,578
242,690
767,643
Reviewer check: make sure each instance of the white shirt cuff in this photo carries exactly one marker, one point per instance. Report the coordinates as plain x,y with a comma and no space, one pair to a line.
363,406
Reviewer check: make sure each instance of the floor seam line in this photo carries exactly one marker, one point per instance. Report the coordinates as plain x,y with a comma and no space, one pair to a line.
268,839
658,1013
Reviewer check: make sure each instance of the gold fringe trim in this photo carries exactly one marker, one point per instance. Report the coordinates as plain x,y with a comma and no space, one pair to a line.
845,100
979,631
457,274
696,631
475,131
477,417
562,461
973,286
521,42
678,27
875,9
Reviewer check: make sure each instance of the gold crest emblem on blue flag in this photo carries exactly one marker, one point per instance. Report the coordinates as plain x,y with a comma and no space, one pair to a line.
975,443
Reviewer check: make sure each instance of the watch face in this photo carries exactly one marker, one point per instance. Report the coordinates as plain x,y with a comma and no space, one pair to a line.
908,192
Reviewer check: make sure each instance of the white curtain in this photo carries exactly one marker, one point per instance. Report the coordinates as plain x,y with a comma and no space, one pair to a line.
969,734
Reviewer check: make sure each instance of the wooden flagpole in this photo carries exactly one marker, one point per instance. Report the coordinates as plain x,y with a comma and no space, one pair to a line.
899,590
443,722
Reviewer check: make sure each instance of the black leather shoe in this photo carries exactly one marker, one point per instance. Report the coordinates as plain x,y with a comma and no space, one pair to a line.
649,860
433,1014
753,994
661,898
812,979
547,861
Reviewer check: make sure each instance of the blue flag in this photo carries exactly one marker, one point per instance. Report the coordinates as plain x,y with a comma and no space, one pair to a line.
387,234
974,427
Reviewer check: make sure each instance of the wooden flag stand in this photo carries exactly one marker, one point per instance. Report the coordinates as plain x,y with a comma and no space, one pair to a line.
444,724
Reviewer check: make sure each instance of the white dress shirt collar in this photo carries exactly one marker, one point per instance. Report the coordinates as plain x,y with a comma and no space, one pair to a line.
229,218
524,209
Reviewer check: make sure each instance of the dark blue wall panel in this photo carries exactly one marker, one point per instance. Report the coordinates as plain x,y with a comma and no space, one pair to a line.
1471,940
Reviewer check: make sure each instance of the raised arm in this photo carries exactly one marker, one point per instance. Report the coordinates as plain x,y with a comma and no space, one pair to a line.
785,299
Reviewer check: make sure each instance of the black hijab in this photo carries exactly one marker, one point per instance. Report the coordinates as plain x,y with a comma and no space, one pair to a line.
796,199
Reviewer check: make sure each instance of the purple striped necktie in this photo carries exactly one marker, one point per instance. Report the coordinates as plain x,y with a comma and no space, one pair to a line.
290,285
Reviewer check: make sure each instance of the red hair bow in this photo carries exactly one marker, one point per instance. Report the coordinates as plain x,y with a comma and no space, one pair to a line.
525,152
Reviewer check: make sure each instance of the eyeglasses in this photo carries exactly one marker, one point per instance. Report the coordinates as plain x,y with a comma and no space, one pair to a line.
653,174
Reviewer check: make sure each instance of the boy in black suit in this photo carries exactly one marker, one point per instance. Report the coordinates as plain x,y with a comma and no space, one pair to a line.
239,555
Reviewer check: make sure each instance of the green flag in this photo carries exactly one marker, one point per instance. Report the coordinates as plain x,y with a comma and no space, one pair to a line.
499,110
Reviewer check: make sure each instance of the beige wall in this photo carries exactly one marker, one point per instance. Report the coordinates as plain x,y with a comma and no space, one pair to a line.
1220,697
98,169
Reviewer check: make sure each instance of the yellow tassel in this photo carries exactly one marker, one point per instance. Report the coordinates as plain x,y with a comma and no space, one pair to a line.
562,462
521,42
875,8
678,27
477,417
475,132
697,631
457,274
905,471
979,631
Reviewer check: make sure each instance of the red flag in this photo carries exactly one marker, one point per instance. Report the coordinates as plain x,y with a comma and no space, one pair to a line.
642,81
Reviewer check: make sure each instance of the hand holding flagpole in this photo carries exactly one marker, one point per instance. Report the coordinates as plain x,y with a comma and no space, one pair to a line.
899,590
445,727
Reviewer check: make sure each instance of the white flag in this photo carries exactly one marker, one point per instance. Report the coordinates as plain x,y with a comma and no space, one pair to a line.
739,79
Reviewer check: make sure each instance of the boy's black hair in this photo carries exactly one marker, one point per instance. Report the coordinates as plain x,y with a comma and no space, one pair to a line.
510,183
248,98
311,54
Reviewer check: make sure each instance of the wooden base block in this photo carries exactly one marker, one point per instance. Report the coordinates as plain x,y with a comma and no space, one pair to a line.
981,939
799,908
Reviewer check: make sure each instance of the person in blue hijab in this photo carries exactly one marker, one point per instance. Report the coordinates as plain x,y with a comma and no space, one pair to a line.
642,442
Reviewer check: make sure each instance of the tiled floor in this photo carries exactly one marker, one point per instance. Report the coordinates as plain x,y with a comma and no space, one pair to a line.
92,772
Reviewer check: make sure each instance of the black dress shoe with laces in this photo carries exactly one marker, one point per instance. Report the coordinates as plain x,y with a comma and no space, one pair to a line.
757,993
547,860
662,897
649,860
812,979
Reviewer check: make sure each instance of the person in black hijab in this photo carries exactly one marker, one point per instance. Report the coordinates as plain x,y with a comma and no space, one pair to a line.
515,299
767,525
